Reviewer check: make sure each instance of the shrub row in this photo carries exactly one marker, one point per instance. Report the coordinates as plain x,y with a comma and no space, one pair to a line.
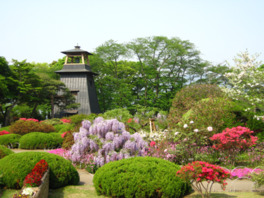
34,140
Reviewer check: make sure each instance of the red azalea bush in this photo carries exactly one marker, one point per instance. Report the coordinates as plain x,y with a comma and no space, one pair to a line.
4,132
198,171
65,120
232,141
34,177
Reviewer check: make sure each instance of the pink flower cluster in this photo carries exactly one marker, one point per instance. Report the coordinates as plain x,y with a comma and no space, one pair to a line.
58,151
234,138
244,172
65,120
29,119
4,132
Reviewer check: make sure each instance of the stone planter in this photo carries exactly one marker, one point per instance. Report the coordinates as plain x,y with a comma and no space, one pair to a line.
43,190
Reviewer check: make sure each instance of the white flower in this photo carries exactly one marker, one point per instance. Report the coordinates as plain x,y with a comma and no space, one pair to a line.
28,191
165,150
191,122
210,128
196,130
176,133
185,126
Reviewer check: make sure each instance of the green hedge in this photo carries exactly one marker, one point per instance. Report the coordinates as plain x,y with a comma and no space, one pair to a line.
4,151
38,140
140,177
10,140
15,167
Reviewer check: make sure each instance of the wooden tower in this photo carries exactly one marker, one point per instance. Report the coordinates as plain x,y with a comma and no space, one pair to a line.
78,78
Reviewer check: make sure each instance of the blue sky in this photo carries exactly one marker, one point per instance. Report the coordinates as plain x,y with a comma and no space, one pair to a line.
38,30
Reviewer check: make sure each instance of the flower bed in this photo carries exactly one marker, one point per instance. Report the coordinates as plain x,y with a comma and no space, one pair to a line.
36,183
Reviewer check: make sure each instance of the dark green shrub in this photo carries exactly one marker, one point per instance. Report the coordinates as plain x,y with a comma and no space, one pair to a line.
63,127
15,167
78,118
38,140
4,151
187,97
214,112
22,127
140,177
10,140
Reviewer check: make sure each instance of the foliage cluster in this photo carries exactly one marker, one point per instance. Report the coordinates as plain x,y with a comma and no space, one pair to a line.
186,98
15,167
10,140
68,140
4,151
140,177
38,140
22,127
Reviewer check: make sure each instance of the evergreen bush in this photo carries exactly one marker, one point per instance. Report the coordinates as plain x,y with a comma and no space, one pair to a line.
10,140
140,177
38,140
4,151
187,97
15,167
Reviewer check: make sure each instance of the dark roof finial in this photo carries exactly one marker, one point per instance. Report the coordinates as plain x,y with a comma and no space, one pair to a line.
77,46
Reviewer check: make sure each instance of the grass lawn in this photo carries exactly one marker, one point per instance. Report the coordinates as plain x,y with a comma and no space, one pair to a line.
89,192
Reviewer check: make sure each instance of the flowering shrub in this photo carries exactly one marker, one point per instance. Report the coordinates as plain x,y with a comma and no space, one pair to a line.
4,132
164,150
108,139
232,141
24,126
198,171
65,120
29,119
34,177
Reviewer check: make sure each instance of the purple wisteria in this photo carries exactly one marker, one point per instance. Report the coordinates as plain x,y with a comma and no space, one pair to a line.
108,140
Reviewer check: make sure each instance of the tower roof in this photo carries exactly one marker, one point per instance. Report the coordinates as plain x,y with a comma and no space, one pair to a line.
76,51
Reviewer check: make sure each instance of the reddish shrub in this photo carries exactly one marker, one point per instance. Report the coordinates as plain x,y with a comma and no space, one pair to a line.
4,132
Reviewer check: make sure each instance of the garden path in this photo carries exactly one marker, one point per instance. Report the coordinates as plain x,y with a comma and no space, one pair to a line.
239,185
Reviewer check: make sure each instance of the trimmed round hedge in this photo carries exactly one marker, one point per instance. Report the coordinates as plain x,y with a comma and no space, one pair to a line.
10,140
15,167
38,140
140,177
4,151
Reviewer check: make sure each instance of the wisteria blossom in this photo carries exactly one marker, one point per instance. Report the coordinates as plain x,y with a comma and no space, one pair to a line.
108,139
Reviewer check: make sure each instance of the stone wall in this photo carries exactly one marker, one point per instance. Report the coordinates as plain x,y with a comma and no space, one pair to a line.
43,189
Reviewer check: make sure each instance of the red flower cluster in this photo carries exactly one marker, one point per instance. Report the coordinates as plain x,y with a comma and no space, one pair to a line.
4,132
63,134
152,143
29,119
34,177
235,138
65,120
199,171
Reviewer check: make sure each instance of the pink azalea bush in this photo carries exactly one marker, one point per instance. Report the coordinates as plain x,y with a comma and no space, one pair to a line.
199,171
232,141
29,119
